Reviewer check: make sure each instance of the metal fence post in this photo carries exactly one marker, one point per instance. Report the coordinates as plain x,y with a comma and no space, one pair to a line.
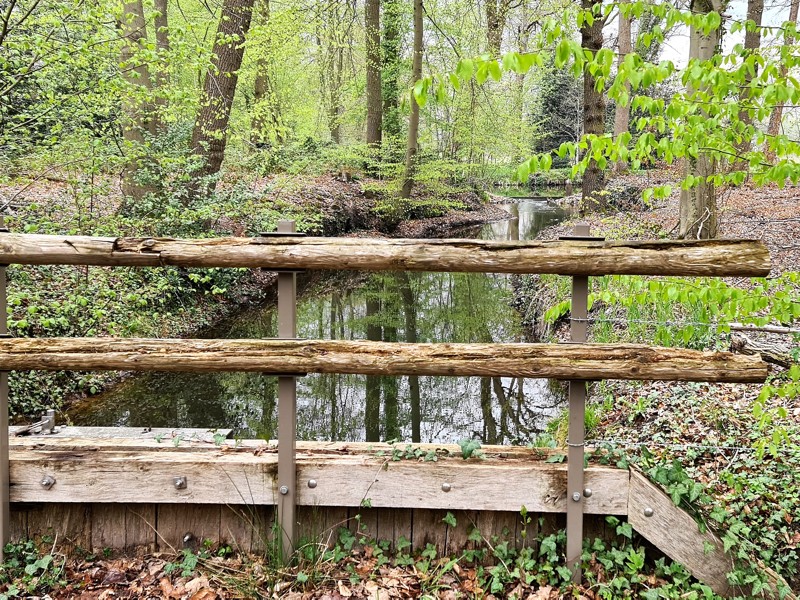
287,410
576,435
5,507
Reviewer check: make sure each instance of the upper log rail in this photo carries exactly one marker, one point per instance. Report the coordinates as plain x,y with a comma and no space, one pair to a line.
566,361
745,258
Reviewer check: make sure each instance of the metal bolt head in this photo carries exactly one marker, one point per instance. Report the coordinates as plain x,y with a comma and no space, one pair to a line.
446,487
312,483
576,496
587,493
648,512
48,481
180,483
284,490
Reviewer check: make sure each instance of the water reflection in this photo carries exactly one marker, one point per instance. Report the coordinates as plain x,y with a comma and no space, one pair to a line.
412,307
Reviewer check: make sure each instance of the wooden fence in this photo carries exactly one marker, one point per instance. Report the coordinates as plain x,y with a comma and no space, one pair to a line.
106,478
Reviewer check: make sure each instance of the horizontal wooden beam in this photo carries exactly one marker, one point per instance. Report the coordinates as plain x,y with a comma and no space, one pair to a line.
662,257
85,471
558,361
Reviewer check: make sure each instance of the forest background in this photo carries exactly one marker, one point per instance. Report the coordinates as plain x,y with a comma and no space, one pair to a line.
193,118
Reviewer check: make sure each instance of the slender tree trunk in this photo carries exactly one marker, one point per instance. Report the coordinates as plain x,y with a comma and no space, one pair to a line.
752,42
410,313
593,114
162,74
776,117
391,419
373,404
622,114
489,422
138,120
698,207
413,123
390,73
372,22
209,136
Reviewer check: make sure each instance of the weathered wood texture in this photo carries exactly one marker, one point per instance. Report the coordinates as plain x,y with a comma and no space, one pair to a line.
120,527
87,471
663,257
567,361
676,534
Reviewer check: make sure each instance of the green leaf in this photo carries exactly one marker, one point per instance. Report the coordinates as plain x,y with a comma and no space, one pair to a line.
465,69
450,519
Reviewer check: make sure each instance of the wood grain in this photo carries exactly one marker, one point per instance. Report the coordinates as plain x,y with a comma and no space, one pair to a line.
662,257
677,535
566,361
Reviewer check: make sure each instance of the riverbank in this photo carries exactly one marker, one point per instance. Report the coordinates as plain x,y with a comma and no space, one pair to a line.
166,302
729,452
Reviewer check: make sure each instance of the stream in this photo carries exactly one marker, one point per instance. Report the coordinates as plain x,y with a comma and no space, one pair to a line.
414,307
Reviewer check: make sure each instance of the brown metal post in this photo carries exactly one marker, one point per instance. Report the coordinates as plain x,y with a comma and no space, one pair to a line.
576,436
5,507
287,411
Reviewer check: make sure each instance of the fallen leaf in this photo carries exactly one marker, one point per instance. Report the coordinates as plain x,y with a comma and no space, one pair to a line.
344,590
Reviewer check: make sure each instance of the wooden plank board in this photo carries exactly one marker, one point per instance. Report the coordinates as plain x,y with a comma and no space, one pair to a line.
541,487
187,525
87,475
677,535
235,528
69,525
108,527
365,357
428,527
246,478
140,523
18,523
573,257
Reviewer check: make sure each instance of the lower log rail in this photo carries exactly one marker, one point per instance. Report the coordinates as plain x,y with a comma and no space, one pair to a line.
143,494
557,361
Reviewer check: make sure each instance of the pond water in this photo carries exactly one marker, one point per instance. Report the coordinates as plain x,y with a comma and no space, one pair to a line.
414,307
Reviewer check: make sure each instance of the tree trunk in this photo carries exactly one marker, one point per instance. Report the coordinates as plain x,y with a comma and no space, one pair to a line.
372,22
593,114
137,122
698,207
265,124
162,74
752,42
413,122
209,137
390,73
372,410
410,313
776,117
496,16
622,114
375,358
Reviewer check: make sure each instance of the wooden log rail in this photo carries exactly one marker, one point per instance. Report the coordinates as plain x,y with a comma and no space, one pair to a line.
564,361
572,257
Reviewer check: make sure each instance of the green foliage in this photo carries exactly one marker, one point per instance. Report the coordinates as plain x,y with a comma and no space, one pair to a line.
27,570
470,448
